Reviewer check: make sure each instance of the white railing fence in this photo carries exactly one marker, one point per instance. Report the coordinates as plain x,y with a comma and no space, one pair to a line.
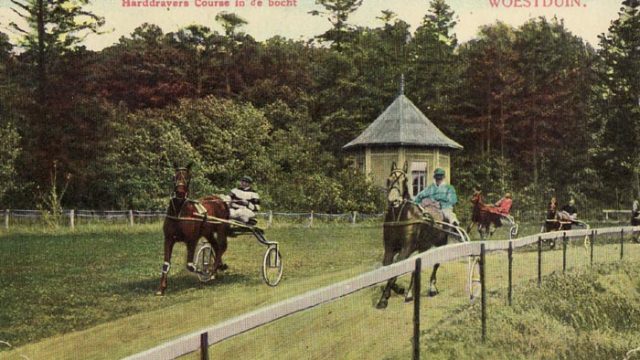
131,217
307,219
200,340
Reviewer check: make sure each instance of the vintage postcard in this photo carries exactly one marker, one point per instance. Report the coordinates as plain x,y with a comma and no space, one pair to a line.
319,179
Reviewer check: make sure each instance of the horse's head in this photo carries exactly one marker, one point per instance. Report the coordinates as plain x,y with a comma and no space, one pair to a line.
552,209
476,198
398,185
181,181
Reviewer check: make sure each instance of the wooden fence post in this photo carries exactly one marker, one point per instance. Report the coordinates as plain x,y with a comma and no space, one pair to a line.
7,213
131,217
564,252
204,346
416,309
594,233
311,219
72,218
539,261
270,221
510,288
354,215
483,292
621,244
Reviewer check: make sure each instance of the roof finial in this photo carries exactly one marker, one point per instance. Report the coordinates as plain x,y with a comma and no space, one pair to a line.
402,84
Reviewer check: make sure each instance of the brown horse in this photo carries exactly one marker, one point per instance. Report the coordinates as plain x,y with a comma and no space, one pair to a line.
403,239
483,216
188,220
556,220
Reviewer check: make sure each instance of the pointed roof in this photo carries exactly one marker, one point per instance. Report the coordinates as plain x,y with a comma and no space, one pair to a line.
402,123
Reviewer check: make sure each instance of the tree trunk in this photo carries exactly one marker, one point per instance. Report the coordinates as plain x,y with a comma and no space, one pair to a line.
42,72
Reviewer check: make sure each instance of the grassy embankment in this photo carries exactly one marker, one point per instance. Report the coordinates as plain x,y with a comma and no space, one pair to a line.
88,293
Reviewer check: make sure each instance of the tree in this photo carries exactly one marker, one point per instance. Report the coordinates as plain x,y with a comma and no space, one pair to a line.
146,69
432,70
337,12
617,103
51,75
9,152
54,27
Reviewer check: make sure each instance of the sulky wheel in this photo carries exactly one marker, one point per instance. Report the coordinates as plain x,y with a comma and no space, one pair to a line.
205,258
513,231
272,266
474,285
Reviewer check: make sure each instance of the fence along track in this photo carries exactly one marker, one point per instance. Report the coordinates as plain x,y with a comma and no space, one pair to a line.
238,325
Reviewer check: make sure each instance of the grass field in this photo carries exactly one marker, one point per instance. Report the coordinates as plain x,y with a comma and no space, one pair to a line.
89,293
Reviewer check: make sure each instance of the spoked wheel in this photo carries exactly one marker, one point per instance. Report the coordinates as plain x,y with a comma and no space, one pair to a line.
474,286
587,242
513,231
205,257
272,266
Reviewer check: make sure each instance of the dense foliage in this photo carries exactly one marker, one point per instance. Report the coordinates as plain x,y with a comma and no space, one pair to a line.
539,111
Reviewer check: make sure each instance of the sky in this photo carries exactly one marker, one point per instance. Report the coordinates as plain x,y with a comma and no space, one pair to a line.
585,18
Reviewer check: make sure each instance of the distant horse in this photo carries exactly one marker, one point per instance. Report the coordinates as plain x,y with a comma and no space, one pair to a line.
186,221
406,230
555,220
483,216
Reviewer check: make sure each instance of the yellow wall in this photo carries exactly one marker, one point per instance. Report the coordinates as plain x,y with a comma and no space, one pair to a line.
377,161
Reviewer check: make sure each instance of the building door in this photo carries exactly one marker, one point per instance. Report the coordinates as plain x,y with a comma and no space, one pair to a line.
418,177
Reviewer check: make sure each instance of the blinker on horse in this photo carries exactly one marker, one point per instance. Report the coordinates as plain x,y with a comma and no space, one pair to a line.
405,231
186,221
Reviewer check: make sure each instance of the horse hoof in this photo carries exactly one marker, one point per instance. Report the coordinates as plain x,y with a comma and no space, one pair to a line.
223,267
408,299
381,305
159,293
432,293
398,289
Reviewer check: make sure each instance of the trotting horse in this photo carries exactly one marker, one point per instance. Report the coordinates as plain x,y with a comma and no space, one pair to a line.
556,220
406,229
187,221
483,216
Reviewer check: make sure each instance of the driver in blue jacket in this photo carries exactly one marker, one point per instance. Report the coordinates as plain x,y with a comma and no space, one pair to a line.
444,195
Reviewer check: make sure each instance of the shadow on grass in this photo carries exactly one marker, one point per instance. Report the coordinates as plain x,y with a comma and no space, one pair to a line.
185,283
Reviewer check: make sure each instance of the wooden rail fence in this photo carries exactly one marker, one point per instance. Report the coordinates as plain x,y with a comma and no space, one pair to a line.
238,325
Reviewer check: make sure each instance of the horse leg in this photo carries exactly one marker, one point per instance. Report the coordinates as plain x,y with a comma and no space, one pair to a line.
168,249
433,290
481,231
220,248
470,227
386,293
404,253
191,250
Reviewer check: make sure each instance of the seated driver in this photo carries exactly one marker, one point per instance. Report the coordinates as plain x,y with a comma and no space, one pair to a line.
244,202
444,195
503,206
569,211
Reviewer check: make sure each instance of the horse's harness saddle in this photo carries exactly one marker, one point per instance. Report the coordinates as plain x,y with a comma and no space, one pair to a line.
200,210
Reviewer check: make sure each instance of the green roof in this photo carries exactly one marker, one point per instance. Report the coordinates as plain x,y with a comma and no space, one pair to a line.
402,123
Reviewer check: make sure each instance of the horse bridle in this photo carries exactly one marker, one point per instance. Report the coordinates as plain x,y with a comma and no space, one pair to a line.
397,175
181,178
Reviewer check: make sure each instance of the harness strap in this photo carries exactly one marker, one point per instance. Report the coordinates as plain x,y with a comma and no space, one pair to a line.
213,220
407,222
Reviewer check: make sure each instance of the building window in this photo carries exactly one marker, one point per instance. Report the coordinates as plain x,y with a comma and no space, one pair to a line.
418,176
